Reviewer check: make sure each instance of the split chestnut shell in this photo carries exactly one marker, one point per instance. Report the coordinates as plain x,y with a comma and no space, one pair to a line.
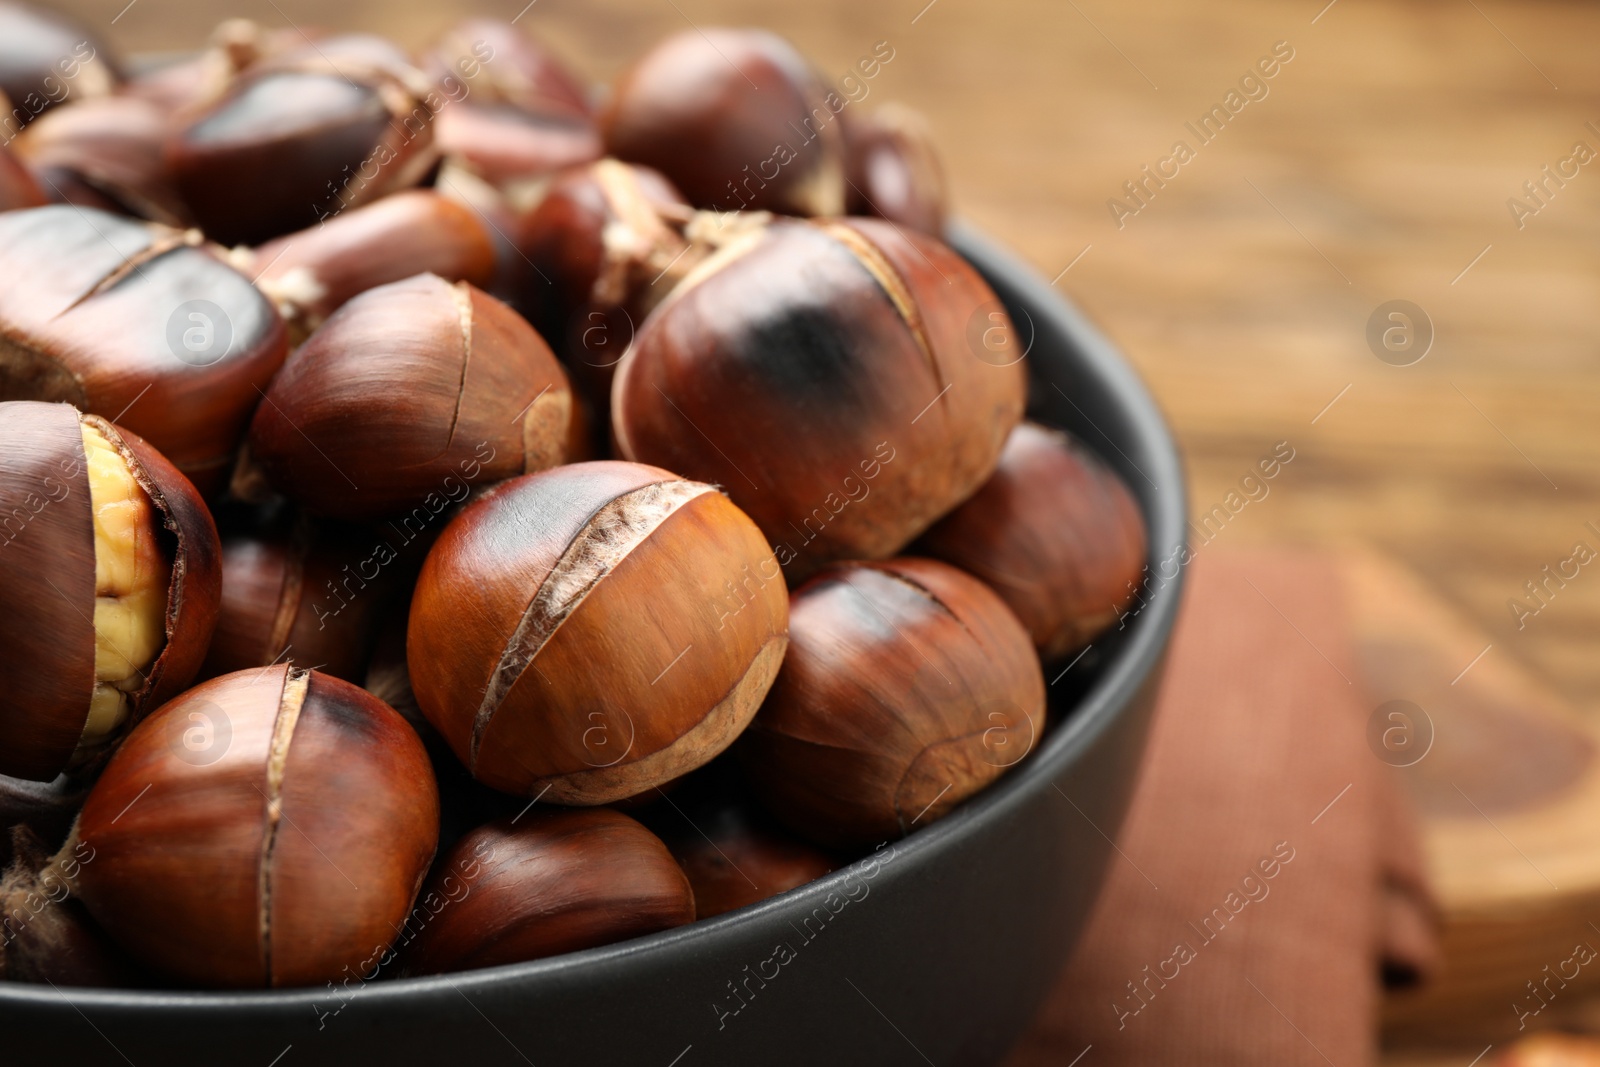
593,631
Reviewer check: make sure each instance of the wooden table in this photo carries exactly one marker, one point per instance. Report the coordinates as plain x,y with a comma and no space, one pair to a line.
1374,165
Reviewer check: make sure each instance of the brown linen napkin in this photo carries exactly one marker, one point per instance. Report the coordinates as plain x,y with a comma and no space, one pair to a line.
1268,872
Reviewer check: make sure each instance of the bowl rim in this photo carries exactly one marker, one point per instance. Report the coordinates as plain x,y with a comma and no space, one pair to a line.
1110,694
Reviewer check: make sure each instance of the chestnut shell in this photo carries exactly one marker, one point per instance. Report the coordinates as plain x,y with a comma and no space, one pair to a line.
908,687
829,376
132,321
234,847
47,582
558,882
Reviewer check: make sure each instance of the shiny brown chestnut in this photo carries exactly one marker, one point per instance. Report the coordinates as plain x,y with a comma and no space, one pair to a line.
194,81
1056,533
310,595
138,323
108,585
909,686
47,59
311,274
838,377
589,632
18,187
738,120
544,884
106,153
497,63
266,828
895,171
305,135
407,396
734,856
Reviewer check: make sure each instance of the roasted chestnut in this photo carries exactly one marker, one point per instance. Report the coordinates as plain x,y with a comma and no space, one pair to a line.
1056,533
311,274
589,632
266,828
108,585
735,856
303,136
106,153
894,171
18,187
736,119
196,80
547,883
498,63
908,687
134,322
410,394
310,595
838,378
46,60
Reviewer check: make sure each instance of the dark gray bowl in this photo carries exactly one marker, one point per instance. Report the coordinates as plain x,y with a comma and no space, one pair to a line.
938,951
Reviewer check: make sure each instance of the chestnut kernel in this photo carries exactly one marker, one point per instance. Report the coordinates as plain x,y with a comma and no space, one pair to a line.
311,274
106,153
408,395
133,321
824,373
895,172
108,585
706,108
908,687
589,632
546,884
266,828
48,60
302,136
1056,533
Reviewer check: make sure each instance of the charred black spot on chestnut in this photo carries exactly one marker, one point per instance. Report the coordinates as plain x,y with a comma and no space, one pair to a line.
108,586
101,312
883,717
1056,533
821,373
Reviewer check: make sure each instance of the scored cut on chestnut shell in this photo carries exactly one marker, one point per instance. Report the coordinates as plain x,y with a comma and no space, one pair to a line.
136,322
595,630
56,637
544,884
1056,533
832,376
106,153
266,828
407,395
909,686
713,108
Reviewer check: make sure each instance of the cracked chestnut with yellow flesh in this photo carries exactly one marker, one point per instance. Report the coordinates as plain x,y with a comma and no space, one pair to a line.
908,687
544,884
836,377
266,828
109,585
136,322
591,632
714,110
408,395
1056,533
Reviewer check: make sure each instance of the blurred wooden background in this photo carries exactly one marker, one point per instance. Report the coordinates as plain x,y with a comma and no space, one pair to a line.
1377,167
